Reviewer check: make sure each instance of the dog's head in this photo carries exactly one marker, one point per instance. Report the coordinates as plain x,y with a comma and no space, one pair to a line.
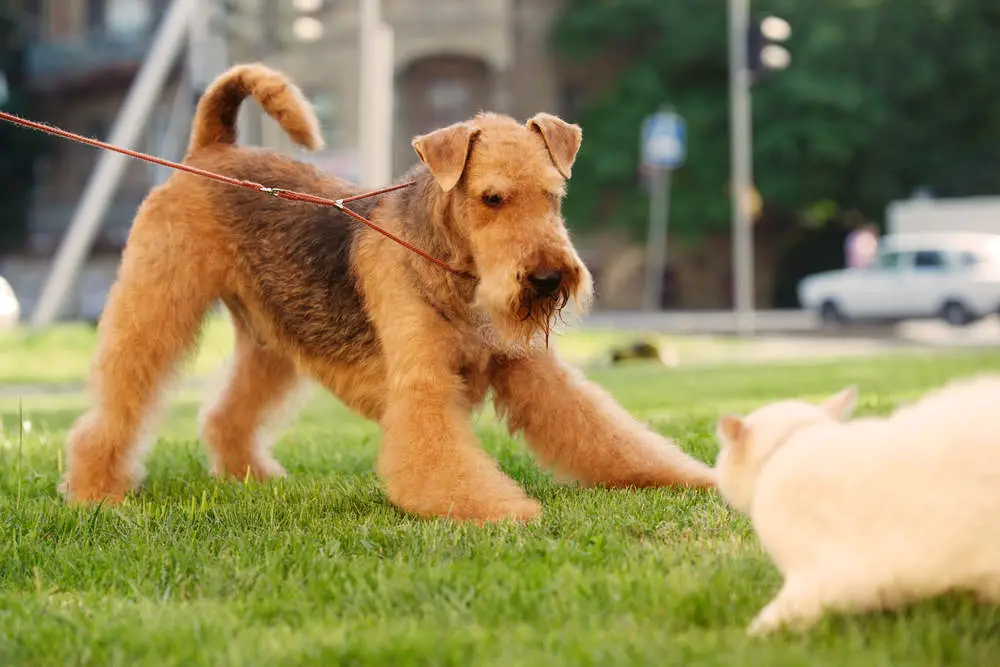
746,443
503,182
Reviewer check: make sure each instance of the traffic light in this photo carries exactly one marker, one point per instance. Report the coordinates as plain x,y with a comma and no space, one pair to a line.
765,51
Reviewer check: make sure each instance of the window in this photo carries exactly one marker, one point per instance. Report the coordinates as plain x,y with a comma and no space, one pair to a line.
928,259
889,261
119,17
448,100
448,94
127,17
969,259
95,15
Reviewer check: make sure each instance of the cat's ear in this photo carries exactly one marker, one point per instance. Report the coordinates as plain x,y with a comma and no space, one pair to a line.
730,430
841,405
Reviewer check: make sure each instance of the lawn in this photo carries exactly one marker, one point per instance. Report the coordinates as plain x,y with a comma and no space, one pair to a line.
318,569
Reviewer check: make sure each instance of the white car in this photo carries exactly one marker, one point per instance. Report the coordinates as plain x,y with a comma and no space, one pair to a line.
951,275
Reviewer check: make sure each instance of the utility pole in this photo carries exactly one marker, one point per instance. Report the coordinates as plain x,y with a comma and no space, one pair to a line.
741,163
754,50
375,102
656,237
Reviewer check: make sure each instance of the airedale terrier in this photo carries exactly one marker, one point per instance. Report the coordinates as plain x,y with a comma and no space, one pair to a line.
398,339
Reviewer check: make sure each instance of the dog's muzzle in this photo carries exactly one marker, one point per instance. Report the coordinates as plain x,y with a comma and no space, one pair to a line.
546,282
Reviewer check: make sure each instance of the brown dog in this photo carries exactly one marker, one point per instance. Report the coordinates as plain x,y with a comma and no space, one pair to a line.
398,339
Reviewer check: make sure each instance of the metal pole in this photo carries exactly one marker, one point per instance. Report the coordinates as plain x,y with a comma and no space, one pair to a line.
110,166
742,166
375,101
656,241
384,111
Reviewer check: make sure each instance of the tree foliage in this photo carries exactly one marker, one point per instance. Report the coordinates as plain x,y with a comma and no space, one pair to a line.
882,97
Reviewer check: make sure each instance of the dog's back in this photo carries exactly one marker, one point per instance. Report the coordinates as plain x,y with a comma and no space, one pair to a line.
295,257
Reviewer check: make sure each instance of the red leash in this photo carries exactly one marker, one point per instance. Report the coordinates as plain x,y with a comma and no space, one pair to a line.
280,193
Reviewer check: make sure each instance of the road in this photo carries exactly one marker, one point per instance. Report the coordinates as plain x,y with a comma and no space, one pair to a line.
798,323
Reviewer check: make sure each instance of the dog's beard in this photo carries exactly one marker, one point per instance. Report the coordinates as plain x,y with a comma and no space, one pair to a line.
518,320
541,313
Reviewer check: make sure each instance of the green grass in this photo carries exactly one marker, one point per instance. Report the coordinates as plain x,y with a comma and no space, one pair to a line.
60,355
318,569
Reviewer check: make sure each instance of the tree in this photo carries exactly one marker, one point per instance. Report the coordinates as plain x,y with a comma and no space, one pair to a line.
882,96
667,51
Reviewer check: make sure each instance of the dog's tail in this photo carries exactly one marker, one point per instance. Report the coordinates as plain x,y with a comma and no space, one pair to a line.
215,116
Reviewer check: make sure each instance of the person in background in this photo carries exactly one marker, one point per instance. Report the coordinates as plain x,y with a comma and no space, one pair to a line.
861,246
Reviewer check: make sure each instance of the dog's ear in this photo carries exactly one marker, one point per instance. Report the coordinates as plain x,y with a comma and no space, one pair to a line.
561,138
731,431
841,405
445,152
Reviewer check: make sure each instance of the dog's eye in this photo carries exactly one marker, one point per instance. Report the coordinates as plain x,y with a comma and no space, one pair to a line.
492,200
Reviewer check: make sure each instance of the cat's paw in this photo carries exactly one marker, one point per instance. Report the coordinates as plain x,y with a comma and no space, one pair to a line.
989,592
767,621
792,614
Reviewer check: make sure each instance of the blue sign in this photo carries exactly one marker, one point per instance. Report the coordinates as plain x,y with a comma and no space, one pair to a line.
663,136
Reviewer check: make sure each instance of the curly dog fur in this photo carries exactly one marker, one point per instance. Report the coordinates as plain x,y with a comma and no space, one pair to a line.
315,295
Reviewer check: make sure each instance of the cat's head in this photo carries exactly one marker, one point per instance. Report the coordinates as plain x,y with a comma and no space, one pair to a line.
745,443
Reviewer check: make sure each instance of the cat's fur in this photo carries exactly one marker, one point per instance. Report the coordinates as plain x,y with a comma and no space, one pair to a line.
872,513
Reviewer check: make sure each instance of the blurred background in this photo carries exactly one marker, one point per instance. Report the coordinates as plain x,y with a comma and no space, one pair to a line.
844,124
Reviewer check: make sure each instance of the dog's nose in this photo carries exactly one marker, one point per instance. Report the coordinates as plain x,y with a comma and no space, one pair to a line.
546,282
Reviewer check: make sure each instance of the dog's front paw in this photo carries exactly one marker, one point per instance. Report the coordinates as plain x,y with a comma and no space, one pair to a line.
520,511
75,492
259,469
501,501
267,468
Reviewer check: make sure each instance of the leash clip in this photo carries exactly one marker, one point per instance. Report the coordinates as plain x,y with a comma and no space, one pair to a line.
274,192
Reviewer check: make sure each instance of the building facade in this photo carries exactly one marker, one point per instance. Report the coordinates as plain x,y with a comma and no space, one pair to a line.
452,58
80,62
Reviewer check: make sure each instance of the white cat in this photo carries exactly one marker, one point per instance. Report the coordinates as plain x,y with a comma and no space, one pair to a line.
872,513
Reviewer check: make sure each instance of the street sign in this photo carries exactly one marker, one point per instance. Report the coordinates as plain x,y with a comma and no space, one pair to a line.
663,137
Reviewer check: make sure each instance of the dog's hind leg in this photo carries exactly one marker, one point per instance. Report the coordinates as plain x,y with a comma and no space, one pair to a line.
259,383
152,319
577,428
